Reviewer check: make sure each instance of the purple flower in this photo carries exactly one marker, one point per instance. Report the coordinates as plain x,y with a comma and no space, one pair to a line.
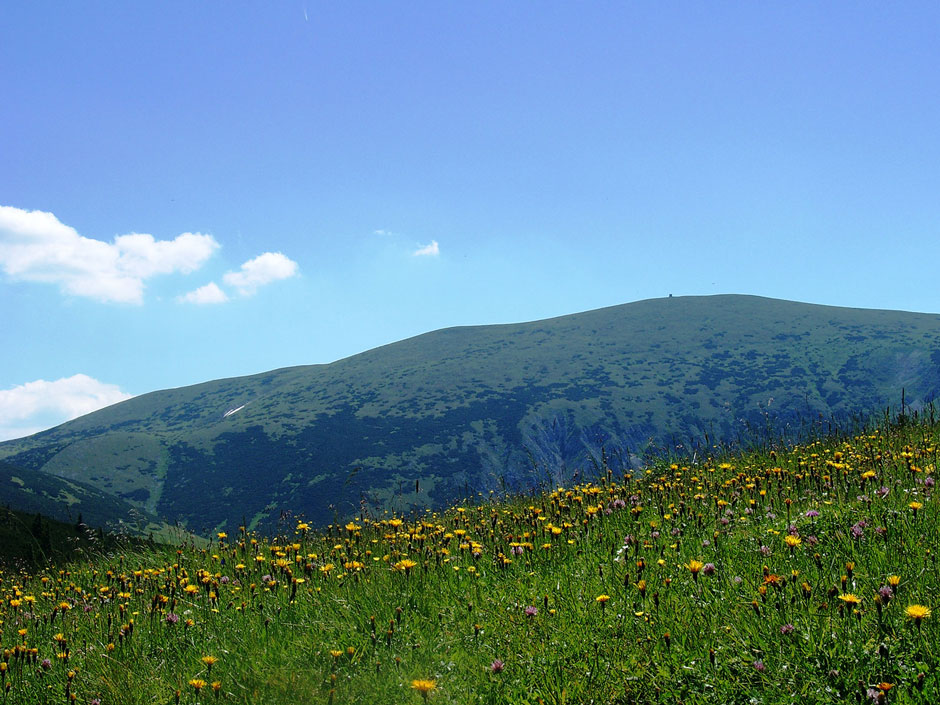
172,618
886,592
765,550
266,578
759,666
857,531
616,504
812,514
531,611
708,569
497,666
655,535
792,530
787,629
811,540
882,492
725,521
737,580
929,482
517,550
46,664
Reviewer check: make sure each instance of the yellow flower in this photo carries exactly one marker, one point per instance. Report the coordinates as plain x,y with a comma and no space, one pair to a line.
850,599
602,599
792,541
917,613
424,686
894,581
197,684
209,661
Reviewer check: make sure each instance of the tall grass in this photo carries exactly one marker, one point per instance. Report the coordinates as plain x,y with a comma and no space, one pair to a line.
774,576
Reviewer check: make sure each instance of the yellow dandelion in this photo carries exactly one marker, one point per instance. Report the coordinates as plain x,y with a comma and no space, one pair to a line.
197,684
792,541
917,613
850,599
424,686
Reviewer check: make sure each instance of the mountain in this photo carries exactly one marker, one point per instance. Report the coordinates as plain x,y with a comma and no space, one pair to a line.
442,415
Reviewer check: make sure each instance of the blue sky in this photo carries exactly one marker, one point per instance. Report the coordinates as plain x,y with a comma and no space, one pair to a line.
191,191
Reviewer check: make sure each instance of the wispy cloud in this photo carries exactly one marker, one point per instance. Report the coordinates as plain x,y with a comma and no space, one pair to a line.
263,269
36,247
33,406
383,233
208,294
431,250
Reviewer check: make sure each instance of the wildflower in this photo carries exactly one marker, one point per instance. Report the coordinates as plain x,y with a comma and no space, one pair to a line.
694,567
787,629
915,506
531,611
424,686
759,666
917,613
812,514
497,666
197,684
792,541
171,618
708,569
209,661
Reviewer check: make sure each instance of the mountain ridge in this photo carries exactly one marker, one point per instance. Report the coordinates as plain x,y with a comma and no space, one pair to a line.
473,408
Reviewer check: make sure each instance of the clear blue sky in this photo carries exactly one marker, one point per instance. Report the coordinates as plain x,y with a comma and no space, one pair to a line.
544,158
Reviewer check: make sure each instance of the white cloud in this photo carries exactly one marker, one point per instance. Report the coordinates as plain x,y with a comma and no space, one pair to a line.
34,406
36,247
261,270
208,294
431,250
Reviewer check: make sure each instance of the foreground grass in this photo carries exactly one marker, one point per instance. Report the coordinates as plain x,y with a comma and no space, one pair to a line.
807,574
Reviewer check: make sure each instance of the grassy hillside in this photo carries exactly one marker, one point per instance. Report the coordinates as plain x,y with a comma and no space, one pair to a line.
34,491
806,573
461,410
35,541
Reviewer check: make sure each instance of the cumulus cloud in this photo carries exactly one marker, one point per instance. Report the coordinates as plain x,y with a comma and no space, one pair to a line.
33,406
208,294
431,250
263,269
35,246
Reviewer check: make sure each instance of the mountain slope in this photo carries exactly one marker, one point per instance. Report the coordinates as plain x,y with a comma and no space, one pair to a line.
466,409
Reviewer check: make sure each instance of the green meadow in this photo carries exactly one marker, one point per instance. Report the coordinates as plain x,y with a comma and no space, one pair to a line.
788,573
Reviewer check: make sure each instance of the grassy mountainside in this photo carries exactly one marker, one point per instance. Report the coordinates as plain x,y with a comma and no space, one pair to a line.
793,574
470,409
34,491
